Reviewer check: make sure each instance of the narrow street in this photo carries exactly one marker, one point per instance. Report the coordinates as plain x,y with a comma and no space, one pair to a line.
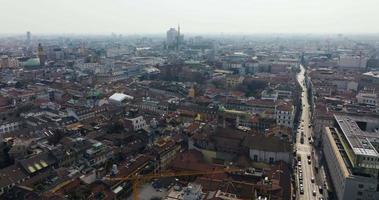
307,183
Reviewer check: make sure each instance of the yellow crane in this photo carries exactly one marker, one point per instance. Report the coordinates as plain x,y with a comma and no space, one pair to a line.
138,179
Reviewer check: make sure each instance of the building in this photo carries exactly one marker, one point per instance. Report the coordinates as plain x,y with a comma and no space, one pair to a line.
41,55
118,98
351,153
98,154
173,38
135,123
233,80
367,98
285,114
352,61
28,38
191,192
4,61
268,149
10,176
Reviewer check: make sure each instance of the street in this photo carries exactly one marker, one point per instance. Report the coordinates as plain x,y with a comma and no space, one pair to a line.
306,180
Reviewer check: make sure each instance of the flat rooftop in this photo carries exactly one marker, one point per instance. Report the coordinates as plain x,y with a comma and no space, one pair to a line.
360,141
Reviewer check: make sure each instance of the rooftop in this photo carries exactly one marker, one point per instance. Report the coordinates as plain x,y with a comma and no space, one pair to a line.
360,141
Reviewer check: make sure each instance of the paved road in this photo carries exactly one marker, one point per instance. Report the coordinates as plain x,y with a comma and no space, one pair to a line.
306,149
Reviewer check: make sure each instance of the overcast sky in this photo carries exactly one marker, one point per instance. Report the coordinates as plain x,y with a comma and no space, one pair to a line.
194,16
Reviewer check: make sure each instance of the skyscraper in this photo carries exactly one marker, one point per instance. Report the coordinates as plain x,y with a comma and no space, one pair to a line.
174,39
28,38
41,55
171,37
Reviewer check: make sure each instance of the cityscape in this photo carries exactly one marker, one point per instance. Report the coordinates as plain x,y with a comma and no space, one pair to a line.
185,114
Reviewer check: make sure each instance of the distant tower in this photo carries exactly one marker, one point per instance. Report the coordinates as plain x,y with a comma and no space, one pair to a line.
178,38
28,38
41,55
171,38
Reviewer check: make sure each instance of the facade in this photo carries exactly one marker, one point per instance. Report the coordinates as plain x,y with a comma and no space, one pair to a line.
233,80
367,98
9,127
268,149
351,153
285,114
136,123
4,61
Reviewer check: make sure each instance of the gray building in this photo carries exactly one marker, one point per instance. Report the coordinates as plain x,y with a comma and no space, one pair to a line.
351,153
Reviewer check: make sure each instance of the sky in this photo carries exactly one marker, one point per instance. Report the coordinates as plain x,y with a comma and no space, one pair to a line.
194,16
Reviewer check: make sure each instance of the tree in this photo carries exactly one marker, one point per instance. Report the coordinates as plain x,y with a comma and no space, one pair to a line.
116,127
252,87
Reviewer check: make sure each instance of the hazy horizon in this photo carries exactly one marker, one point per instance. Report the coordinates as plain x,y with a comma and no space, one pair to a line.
195,16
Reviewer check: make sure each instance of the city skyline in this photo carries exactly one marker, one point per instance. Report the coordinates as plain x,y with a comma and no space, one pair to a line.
206,17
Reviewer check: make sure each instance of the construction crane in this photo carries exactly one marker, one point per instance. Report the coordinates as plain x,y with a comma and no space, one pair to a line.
140,179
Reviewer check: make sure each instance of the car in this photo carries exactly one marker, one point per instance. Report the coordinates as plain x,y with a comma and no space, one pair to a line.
299,163
314,193
309,161
320,189
300,171
313,179
309,156
301,185
301,190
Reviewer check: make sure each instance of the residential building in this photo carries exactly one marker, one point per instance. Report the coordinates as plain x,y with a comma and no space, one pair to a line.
233,80
285,114
135,123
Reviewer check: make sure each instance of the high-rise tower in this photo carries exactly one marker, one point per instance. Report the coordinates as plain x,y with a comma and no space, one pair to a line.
28,38
178,38
41,55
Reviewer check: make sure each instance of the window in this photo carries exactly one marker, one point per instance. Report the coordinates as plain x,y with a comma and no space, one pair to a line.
271,160
359,193
255,158
360,186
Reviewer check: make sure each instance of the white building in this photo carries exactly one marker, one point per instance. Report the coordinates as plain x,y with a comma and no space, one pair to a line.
268,149
136,123
367,98
118,98
352,157
285,114
9,127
